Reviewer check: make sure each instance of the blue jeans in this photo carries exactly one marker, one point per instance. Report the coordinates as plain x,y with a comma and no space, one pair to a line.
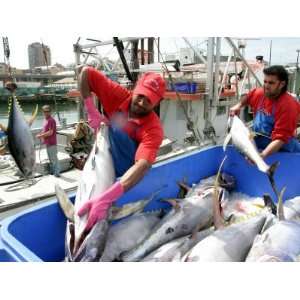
54,163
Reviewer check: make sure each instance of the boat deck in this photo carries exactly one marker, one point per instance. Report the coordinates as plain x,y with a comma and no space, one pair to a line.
24,192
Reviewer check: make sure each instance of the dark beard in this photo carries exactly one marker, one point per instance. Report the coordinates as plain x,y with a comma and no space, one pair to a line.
137,114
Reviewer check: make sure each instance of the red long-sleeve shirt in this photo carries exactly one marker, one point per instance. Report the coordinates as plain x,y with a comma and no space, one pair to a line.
147,131
286,112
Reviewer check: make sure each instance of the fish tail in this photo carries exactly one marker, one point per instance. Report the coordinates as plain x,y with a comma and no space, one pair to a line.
272,169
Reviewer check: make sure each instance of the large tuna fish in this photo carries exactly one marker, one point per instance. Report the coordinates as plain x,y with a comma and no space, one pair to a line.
227,244
20,140
240,207
279,243
180,221
243,140
128,233
230,244
292,209
176,249
97,176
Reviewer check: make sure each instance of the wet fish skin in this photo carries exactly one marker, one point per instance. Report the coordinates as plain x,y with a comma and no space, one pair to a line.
93,245
230,244
178,222
279,243
242,139
128,233
97,176
291,209
240,207
20,140
176,249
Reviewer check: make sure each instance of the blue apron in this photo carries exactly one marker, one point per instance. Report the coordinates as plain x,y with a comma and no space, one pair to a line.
122,147
264,124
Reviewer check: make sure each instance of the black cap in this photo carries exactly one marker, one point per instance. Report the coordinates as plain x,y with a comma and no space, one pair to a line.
259,57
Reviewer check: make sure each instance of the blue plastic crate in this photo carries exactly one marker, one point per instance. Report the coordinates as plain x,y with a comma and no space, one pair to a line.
185,87
38,233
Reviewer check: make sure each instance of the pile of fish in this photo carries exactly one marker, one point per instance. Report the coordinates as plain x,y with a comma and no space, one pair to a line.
211,223
246,231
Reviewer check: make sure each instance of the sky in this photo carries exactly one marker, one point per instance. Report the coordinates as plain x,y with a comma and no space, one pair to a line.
60,24
283,49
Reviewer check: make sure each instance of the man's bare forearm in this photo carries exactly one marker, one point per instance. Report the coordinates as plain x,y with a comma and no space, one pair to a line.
273,147
135,174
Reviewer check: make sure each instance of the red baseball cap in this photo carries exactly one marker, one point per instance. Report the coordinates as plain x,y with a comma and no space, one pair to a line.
151,85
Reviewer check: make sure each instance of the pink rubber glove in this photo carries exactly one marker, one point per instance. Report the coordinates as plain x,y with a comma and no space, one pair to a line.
94,116
98,206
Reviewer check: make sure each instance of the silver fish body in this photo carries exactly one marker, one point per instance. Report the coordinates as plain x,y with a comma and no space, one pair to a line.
97,176
242,139
230,244
174,250
180,221
93,245
20,140
279,243
128,233
292,209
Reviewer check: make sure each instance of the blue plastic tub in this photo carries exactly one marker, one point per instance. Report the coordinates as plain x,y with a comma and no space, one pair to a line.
185,87
38,233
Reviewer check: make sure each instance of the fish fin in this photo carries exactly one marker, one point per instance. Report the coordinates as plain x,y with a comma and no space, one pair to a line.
280,212
217,196
173,202
270,203
183,185
33,116
272,170
65,203
226,141
270,174
183,189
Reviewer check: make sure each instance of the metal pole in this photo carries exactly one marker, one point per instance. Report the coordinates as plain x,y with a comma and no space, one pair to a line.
158,48
119,59
127,39
217,69
225,74
150,50
209,80
296,75
196,51
270,57
243,82
236,78
142,52
231,43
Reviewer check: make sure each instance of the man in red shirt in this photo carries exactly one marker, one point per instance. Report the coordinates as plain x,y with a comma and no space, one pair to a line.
48,135
276,113
135,131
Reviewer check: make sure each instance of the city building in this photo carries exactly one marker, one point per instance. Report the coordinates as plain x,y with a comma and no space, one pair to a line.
38,55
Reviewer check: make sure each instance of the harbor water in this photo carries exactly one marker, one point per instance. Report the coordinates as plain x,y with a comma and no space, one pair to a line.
66,110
